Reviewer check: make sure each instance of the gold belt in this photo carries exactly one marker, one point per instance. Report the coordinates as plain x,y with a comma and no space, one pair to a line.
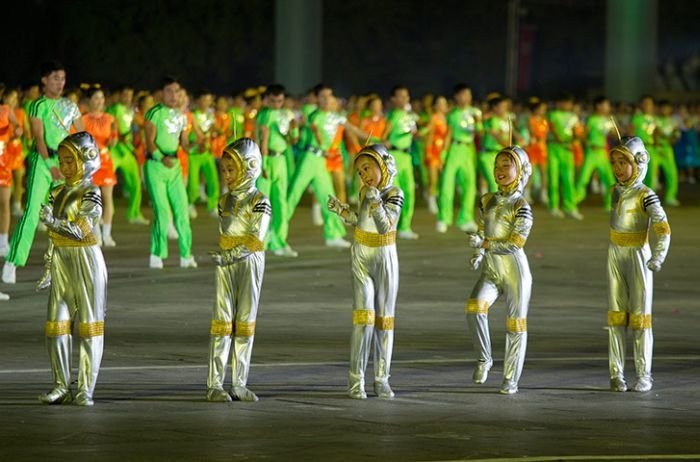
251,242
63,241
634,239
374,239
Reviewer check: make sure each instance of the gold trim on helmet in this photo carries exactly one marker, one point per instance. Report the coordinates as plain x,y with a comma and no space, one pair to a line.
629,157
80,171
236,157
378,159
518,165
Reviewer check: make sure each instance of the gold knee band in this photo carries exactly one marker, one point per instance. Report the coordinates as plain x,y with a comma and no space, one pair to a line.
384,322
244,329
475,306
516,324
617,318
640,321
57,328
363,317
91,329
221,328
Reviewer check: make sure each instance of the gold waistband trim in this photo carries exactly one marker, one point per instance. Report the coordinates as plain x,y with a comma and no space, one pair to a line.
57,328
363,317
617,318
91,329
251,242
475,306
516,324
640,321
221,328
244,329
662,228
635,239
384,323
374,239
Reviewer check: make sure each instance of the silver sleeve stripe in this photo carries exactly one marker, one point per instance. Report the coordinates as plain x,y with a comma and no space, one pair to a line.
263,207
396,200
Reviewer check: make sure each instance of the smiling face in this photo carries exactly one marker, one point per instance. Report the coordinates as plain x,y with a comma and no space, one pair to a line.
622,168
369,171
68,165
505,170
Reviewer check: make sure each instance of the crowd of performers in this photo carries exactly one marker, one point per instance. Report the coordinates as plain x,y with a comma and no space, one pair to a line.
258,155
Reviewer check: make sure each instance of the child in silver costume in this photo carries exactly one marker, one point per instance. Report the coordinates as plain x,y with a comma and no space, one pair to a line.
504,226
631,262
76,271
375,268
244,217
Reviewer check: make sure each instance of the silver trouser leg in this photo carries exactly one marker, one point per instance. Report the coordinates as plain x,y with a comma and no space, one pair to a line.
60,350
643,348
219,348
616,347
482,297
383,349
240,363
89,368
360,344
516,346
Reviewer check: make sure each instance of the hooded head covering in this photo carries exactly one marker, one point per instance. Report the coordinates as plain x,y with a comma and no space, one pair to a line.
87,156
634,151
386,163
522,165
246,154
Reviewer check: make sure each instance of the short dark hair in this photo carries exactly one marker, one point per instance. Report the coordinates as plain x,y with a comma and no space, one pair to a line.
275,89
169,80
92,89
565,97
460,87
600,100
47,67
204,91
319,87
495,101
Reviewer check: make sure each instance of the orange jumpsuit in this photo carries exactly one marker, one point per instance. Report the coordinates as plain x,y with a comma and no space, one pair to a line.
433,153
103,129
222,125
181,153
537,150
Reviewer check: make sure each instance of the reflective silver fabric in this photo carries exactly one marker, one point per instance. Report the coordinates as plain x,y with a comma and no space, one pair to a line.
244,219
635,209
505,222
375,282
78,285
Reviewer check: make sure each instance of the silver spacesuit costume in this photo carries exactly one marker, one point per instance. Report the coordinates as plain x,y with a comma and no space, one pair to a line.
504,226
244,217
375,274
76,273
630,266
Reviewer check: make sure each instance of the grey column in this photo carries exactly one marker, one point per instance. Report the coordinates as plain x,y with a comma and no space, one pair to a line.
298,43
631,48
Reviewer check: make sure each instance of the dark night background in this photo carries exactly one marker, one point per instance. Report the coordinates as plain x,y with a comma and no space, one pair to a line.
368,45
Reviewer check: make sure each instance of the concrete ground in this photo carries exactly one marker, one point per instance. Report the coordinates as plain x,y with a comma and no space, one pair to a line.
149,402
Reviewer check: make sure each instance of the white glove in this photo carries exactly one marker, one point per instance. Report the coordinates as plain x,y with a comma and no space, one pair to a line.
335,206
46,215
45,281
475,241
217,258
475,260
654,265
372,194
